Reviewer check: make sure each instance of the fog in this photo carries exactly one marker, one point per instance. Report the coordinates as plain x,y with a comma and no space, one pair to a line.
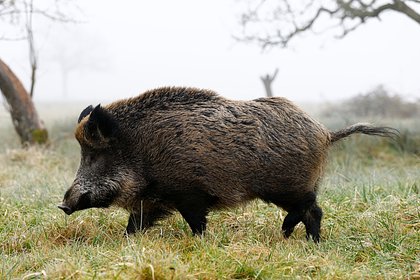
118,51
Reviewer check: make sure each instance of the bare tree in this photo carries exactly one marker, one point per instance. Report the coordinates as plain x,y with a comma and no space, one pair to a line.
24,116
20,14
267,81
276,22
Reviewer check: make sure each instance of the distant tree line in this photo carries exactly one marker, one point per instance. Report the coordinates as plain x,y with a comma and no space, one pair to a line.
378,102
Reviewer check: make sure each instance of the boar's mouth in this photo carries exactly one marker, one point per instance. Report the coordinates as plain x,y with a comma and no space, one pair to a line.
65,208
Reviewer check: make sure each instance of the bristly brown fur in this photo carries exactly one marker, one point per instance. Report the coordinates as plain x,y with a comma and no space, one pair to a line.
192,151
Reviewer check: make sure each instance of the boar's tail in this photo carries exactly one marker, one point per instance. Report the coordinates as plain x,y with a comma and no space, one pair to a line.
365,128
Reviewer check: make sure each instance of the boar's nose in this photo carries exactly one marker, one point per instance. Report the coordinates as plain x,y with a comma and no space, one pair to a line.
65,208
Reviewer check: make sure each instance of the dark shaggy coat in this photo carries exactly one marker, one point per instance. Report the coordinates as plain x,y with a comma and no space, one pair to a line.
193,151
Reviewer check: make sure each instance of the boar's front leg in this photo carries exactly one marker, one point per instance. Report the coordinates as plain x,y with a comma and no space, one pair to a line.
196,219
194,207
145,218
135,222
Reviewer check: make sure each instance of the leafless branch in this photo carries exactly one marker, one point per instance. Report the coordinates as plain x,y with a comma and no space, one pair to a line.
4,38
59,17
289,19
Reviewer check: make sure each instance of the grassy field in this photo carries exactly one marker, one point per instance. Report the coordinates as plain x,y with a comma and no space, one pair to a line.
371,226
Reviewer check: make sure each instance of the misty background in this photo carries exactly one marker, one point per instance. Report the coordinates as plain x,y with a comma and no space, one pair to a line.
116,50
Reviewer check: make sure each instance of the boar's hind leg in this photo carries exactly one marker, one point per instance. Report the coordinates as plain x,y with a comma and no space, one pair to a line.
303,210
289,223
307,211
312,222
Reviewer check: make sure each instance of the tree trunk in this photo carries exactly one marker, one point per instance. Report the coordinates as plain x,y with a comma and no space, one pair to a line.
25,119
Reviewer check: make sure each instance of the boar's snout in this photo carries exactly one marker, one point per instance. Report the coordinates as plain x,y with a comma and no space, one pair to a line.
75,199
65,208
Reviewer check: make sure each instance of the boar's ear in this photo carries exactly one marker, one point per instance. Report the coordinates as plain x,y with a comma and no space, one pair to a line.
101,125
84,113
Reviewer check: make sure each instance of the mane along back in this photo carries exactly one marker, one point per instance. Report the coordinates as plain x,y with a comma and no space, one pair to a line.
164,98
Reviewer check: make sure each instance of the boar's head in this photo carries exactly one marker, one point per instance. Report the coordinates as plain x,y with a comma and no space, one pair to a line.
104,170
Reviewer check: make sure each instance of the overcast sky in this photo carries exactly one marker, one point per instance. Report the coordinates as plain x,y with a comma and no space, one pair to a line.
124,48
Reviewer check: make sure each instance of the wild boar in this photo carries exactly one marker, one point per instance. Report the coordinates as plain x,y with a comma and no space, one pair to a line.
193,151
